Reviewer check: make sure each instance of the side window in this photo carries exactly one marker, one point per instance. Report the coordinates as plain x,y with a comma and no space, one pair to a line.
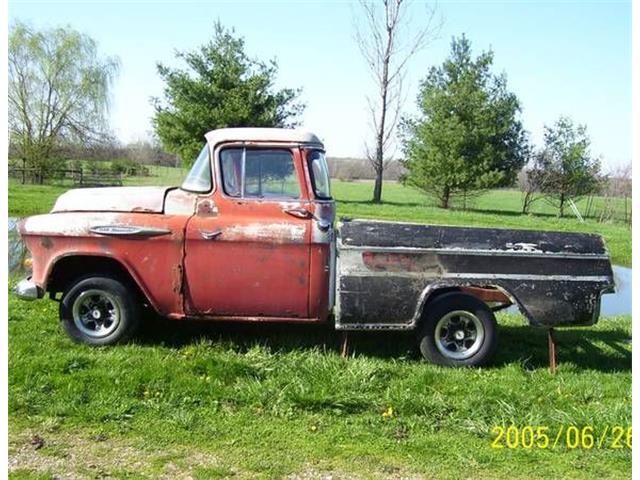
259,173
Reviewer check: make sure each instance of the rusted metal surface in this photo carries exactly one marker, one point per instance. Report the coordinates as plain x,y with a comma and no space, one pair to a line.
258,263
490,241
201,255
180,202
388,272
488,295
154,262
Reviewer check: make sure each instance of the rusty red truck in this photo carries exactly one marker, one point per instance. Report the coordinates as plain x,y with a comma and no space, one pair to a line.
251,236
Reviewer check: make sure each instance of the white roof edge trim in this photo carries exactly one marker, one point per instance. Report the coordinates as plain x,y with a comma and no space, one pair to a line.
291,135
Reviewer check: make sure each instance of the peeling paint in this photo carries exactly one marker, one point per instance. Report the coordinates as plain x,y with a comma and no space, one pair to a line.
523,247
180,202
46,242
276,232
206,208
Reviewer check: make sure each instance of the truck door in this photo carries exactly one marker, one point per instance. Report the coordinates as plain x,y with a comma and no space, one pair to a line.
247,252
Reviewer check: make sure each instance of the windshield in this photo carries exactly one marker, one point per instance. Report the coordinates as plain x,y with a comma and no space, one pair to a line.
319,174
199,178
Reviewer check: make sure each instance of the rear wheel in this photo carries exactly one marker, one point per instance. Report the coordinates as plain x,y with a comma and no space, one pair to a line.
99,310
458,330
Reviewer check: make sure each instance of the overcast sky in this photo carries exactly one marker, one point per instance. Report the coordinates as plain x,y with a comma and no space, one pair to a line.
561,58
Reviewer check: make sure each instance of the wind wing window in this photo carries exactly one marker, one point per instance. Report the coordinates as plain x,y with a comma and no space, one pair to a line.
199,177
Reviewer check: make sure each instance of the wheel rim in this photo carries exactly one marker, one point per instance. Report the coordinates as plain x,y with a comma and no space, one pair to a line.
459,335
96,313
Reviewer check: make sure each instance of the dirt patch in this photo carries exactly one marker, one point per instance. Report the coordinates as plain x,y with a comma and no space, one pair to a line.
392,473
80,455
83,456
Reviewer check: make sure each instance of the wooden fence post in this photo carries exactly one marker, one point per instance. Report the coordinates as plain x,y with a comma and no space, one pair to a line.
553,356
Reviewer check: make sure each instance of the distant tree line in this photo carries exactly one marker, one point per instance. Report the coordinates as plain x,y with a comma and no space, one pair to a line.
348,169
145,152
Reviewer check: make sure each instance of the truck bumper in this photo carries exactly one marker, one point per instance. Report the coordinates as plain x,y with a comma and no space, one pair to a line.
28,290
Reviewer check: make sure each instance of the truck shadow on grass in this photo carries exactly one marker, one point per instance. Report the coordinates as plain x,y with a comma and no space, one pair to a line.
586,349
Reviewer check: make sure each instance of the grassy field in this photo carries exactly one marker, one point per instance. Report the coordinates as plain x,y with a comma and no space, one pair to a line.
215,401
193,401
497,208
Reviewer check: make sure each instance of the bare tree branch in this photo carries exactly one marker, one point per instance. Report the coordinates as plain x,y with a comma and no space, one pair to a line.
383,34
58,91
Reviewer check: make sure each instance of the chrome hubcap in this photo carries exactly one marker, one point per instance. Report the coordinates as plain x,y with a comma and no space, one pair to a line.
96,313
459,335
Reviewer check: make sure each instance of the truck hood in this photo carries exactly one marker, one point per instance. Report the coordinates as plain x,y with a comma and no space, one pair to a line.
113,199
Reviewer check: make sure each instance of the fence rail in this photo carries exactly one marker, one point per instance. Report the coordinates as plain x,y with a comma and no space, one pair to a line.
78,177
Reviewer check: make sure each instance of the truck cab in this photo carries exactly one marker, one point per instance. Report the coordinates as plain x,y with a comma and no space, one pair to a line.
258,245
249,235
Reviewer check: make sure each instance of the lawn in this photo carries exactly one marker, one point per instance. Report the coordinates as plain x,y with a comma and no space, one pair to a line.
192,401
186,400
497,208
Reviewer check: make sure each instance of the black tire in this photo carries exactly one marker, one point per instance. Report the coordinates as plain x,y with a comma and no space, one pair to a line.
440,339
106,296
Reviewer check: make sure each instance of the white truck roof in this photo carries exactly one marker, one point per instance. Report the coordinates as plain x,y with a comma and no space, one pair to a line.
292,135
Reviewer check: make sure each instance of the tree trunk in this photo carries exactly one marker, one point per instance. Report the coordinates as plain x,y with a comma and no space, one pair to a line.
380,134
525,203
444,198
377,188
379,160
561,205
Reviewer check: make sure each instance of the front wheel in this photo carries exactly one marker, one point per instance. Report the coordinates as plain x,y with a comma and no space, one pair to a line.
458,330
99,310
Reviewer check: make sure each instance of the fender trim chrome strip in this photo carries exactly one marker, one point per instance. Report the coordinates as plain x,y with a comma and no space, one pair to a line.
129,231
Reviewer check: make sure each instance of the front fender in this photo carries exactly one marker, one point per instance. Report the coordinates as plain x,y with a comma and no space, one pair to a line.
154,262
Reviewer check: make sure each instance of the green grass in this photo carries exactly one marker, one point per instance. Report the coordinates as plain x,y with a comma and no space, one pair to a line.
269,401
27,200
497,208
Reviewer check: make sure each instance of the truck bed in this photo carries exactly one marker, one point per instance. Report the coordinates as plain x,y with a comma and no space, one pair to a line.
387,271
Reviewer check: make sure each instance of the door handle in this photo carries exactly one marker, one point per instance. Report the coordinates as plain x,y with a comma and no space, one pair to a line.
210,235
298,212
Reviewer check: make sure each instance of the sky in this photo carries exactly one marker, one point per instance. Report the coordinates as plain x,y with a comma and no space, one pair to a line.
560,57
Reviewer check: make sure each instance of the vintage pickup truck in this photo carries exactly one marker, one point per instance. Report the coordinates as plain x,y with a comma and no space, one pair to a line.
251,236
